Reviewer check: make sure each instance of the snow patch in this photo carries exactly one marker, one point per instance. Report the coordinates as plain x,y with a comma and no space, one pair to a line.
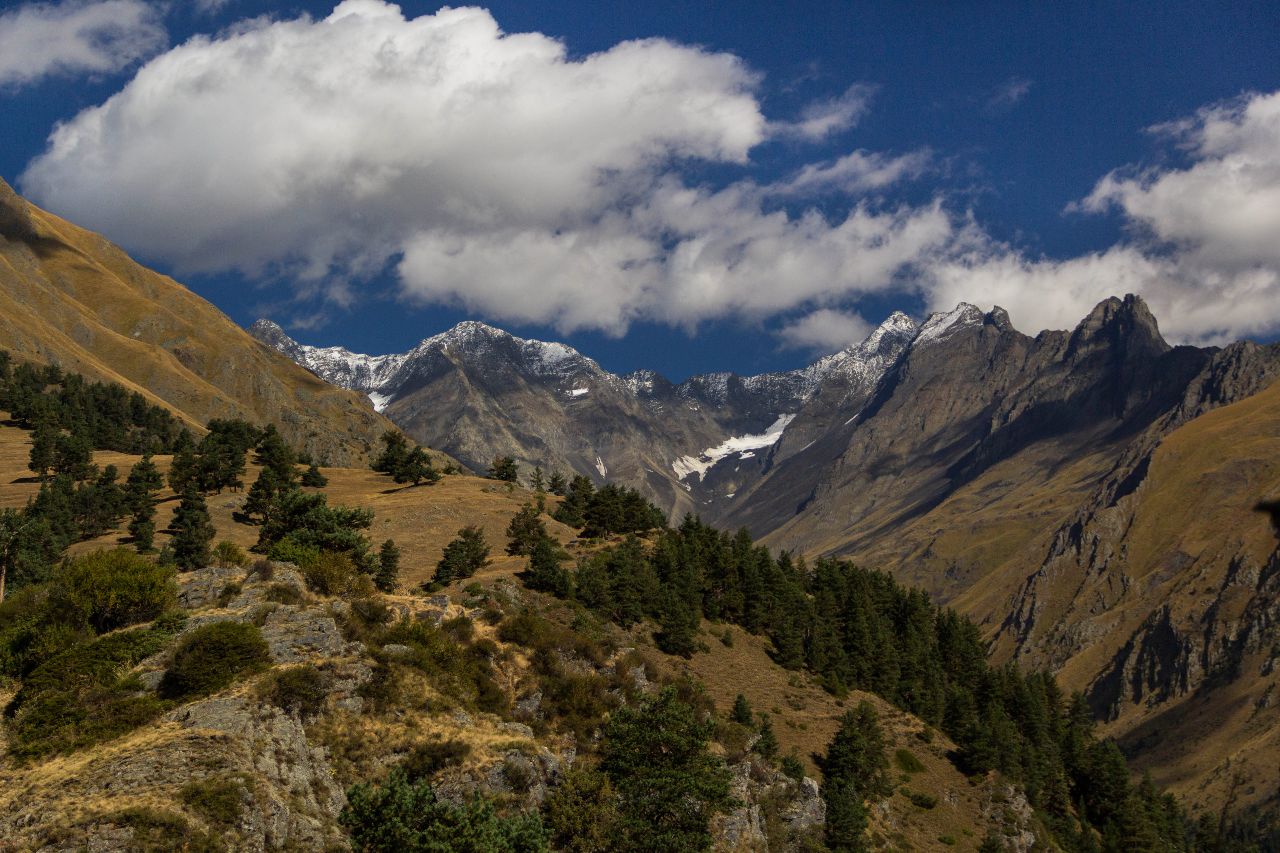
743,444
578,392
604,472
379,401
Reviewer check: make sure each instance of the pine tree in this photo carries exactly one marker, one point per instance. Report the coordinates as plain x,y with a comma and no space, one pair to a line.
854,770
538,483
44,443
274,454
556,483
184,471
73,457
262,496
678,623
395,450
545,572
140,490
192,531
524,531
741,713
388,575
462,557
504,468
313,479
572,510
766,746
415,468
669,785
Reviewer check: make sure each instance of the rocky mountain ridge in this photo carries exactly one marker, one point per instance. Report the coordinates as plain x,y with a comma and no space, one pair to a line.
1018,477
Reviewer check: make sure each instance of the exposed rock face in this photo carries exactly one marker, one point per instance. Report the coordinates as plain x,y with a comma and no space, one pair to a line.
69,296
477,392
1033,482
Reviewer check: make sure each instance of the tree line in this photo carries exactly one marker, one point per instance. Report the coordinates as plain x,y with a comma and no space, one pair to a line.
855,628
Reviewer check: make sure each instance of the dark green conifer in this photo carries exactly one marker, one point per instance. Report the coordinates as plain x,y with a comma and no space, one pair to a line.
192,531
388,575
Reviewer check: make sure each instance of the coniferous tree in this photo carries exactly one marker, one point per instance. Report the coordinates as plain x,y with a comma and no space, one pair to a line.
669,785
537,481
525,531
854,770
73,457
313,479
44,446
572,510
274,454
766,746
262,496
416,468
388,575
545,572
556,483
678,623
192,531
741,713
184,471
504,468
395,450
463,557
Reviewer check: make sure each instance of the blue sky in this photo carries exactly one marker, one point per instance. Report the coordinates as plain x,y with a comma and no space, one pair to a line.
745,186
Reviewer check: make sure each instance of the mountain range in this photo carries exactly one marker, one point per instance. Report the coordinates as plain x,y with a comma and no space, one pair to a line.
1086,495
1030,481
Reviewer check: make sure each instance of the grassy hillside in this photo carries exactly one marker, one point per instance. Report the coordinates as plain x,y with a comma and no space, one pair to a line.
69,296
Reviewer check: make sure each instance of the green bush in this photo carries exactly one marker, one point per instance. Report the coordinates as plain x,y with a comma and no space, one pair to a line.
155,830
230,554
210,657
106,590
907,761
284,593
331,573
463,672
428,759
917,798
77,698
400,815
217,799
298,690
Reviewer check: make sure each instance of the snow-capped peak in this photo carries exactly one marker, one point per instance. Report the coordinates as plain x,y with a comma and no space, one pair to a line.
943,324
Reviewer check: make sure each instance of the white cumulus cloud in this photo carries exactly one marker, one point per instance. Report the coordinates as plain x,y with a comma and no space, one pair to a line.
825,330
38,40
496,172
1204,253
492,169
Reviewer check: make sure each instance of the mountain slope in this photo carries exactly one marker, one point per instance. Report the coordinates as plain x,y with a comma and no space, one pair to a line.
69,296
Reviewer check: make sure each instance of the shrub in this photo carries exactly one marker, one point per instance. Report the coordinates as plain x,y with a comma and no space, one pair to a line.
284,593
106,590
907,761
917,798
330,573
428,759
298,690
77,698
210,657
382,690
155,830
219,800
229,554
402,815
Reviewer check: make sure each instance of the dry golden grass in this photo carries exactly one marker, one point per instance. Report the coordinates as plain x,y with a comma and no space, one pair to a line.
421,519
71,297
